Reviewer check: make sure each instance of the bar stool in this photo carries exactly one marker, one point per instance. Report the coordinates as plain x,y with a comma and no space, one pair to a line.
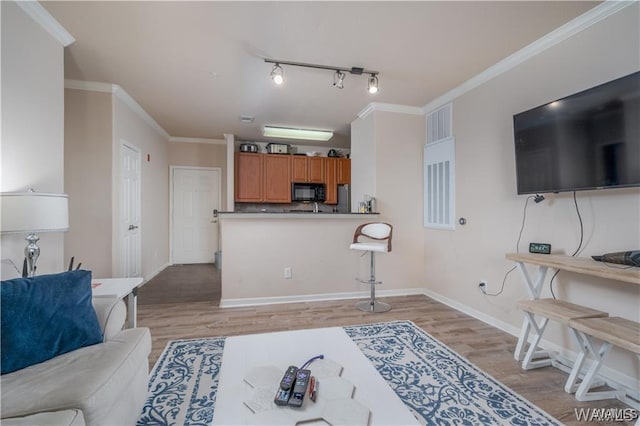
381,234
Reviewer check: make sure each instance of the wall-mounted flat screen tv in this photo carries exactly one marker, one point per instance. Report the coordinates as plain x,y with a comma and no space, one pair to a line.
589,140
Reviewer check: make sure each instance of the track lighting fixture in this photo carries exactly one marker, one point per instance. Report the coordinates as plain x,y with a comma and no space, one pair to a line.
373,84
338,76
338,79
277,75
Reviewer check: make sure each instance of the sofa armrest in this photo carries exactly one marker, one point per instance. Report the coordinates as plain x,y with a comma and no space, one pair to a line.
111,315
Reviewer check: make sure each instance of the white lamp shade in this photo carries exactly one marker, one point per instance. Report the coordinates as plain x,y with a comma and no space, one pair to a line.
34,212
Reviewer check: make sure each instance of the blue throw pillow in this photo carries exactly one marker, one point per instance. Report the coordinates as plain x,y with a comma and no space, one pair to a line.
46,316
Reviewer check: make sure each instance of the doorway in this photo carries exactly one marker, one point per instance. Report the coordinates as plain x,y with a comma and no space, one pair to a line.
195,194
130,222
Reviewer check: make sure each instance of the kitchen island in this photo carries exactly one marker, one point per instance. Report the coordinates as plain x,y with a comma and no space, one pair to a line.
284,257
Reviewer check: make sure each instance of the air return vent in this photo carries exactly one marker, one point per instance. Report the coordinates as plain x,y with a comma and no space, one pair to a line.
439,171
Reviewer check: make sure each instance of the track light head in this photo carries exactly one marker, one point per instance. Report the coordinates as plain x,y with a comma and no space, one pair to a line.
338,79
277,75
373,84
339,75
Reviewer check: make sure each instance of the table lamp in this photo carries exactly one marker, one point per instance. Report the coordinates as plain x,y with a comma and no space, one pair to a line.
32,213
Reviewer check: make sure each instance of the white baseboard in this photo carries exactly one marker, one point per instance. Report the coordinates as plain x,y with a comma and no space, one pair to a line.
564,356
257,301
487,319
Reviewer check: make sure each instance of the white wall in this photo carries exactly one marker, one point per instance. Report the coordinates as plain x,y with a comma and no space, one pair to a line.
88,170
398,193
201,155
363,160
454,262
32,123
130,127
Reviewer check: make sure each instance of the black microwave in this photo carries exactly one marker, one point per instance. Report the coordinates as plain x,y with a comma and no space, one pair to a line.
308,192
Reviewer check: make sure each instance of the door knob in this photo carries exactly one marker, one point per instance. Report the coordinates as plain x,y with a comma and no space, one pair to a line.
132,227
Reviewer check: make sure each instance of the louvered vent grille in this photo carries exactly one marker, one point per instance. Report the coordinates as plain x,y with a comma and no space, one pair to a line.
439,192
439,124
439,171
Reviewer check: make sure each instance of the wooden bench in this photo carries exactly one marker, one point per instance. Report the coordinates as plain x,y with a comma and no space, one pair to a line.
616,331
553,309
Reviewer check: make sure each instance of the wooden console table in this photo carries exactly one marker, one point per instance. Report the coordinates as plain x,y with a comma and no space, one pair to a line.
585,323
579,265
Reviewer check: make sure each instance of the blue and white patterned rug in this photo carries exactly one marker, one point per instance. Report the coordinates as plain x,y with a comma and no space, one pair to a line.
439,386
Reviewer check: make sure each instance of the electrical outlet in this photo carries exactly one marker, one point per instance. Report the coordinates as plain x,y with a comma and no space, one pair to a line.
482,285
287,272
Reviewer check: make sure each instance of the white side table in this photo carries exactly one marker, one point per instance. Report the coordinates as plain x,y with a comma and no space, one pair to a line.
120,287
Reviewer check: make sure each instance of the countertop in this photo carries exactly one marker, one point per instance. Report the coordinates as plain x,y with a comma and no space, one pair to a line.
307,214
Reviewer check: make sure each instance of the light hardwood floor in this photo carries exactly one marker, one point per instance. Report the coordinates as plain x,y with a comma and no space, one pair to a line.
487,347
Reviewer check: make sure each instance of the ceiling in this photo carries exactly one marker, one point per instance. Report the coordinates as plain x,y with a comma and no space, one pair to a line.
196,67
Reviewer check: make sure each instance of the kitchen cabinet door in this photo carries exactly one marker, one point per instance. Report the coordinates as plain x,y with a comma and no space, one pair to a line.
330,174
344,171
315,169
277,178
248,177
299,168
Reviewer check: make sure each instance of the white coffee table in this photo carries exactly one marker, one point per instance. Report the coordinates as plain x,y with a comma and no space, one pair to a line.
243,354
120,288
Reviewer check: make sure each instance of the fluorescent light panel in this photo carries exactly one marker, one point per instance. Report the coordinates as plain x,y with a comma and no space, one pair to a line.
289,133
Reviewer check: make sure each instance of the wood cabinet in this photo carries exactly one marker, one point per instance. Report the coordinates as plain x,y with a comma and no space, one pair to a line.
315,170
267,178
262,178
307,169
299,166
344,171
277,178
330,173
248,177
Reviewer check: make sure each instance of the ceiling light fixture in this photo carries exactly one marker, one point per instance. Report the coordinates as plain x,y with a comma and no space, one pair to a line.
289,133
373,84
277,75
338,78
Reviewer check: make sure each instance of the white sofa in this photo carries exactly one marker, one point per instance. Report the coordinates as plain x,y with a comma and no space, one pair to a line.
103,384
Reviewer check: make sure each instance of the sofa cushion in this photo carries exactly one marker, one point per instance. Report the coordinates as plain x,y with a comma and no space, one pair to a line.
45,316
95,379
52,418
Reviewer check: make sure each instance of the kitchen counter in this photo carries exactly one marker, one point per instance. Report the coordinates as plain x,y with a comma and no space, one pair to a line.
295,215
275,257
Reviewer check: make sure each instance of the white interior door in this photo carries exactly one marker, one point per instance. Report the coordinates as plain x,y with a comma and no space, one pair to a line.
195,195
129,226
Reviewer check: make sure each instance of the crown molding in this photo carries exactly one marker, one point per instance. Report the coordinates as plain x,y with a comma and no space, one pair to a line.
571,28
89,86
120,93
46,21
378,106
197,140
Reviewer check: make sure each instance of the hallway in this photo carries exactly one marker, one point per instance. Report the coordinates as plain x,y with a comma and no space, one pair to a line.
182,284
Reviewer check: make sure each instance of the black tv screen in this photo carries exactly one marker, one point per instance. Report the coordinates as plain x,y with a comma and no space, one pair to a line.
589,140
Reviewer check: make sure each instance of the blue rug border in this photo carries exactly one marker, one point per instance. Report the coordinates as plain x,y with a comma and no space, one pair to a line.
465,361
168,352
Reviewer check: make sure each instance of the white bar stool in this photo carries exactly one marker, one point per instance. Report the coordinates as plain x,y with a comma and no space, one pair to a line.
378,232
